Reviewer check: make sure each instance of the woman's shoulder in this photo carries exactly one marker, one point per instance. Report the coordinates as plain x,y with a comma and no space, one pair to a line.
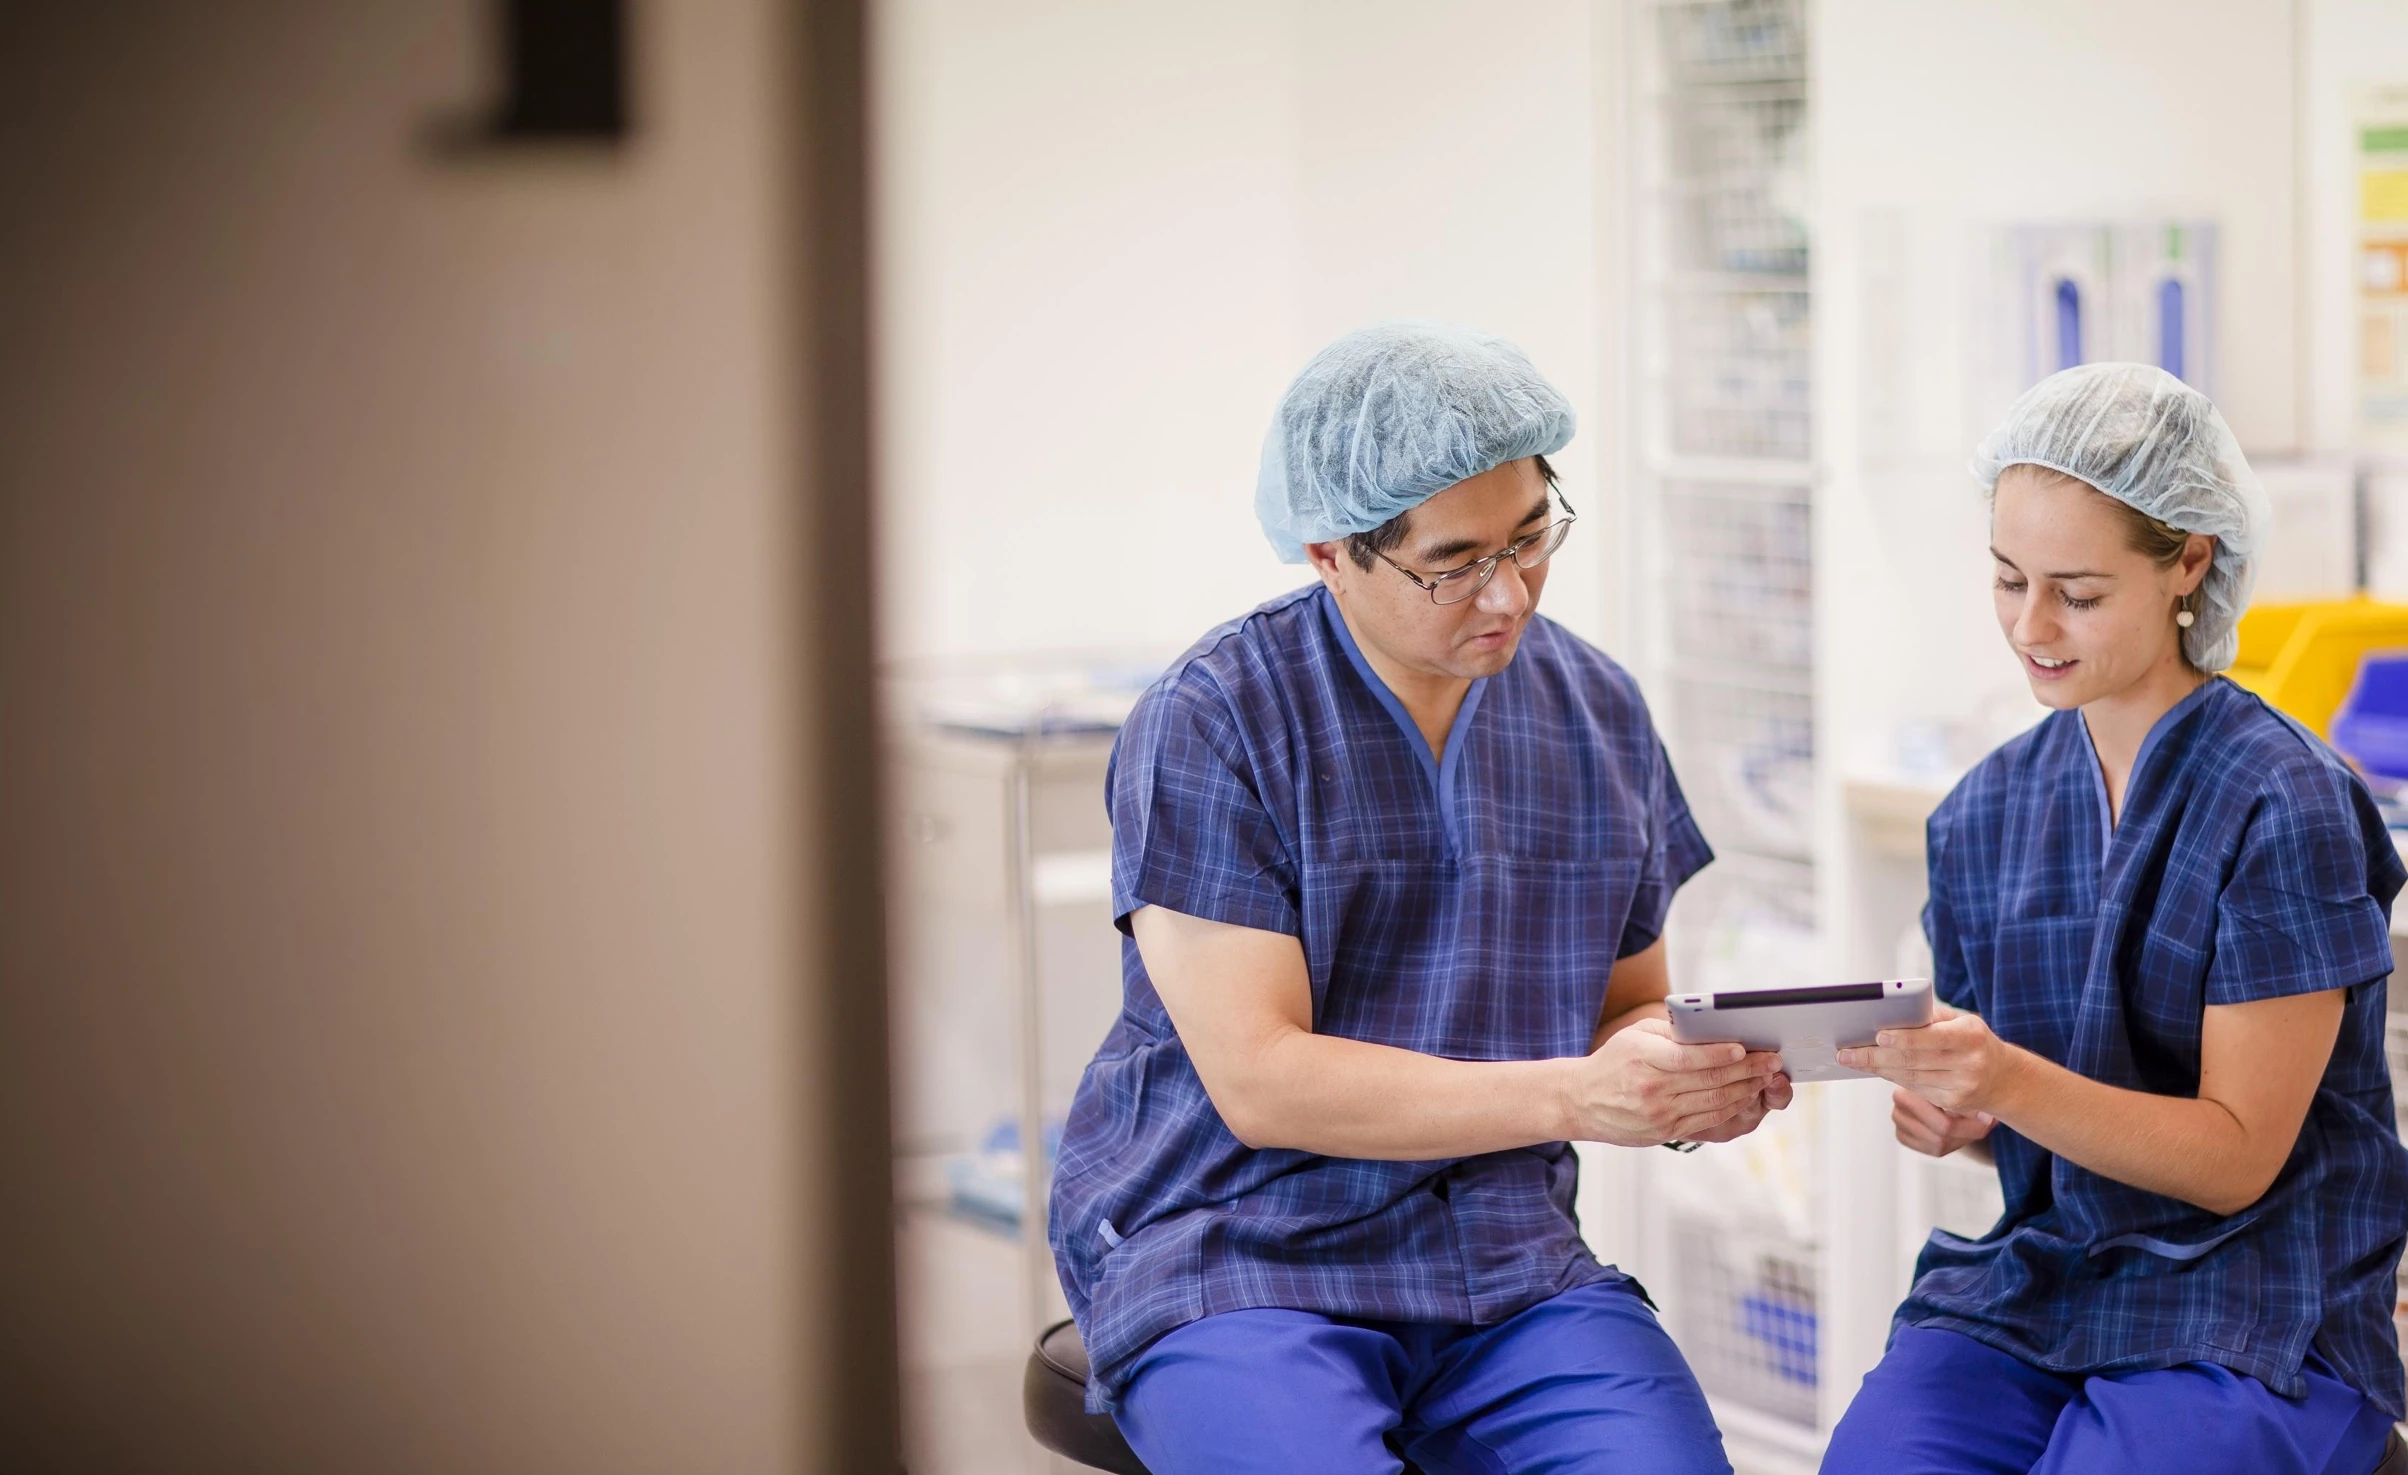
2265,784
2252,752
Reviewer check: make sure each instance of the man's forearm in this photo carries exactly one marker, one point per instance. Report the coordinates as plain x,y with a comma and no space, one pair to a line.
1347,1098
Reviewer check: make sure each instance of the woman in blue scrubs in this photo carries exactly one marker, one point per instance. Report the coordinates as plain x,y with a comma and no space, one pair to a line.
2160,920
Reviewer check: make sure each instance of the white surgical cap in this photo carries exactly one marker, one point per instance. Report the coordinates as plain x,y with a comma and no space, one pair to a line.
1386,417
2151,441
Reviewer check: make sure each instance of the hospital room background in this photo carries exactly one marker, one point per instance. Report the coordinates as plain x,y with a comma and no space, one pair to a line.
569,570
1788,259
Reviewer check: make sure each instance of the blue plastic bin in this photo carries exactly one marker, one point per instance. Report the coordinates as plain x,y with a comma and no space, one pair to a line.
2372,725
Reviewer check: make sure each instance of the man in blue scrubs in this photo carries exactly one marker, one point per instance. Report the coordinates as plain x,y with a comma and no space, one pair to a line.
1394,855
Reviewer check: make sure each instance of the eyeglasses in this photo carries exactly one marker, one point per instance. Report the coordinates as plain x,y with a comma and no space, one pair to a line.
1457,585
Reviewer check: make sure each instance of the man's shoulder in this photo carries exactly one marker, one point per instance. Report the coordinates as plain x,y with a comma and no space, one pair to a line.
1234,666
1237,648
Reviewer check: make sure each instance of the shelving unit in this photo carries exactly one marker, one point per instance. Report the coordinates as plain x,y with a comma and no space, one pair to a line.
1737,1240
1005,977
1722,486
1010,966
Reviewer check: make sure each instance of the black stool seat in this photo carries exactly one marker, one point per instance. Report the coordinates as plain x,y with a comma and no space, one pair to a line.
2395,1457
1053,1396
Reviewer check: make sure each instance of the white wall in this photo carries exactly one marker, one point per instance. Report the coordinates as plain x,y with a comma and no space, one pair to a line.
1113,232
1932,118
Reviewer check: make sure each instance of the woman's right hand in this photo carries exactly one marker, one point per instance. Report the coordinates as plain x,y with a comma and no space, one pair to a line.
1936,1131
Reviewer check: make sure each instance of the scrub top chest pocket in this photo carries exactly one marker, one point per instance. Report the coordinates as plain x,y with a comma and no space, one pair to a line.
2024,999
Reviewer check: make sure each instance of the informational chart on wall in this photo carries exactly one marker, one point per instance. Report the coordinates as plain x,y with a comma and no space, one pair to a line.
2060,293
2383,268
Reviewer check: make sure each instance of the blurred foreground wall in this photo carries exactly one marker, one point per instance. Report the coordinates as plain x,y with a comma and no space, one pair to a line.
402,1064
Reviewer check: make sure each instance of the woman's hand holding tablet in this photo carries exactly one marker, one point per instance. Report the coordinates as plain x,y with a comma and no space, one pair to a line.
1945,1073
1953,1062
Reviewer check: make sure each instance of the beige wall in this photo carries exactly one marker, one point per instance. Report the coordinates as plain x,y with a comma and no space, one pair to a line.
398,1042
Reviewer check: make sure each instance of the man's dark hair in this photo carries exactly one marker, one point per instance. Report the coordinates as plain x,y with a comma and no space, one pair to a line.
1364,547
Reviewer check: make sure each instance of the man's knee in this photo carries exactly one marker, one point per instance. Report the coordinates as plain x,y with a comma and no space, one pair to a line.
1587,1380
1264,1390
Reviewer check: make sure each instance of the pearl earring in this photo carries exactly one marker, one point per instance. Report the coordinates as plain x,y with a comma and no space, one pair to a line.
2183,617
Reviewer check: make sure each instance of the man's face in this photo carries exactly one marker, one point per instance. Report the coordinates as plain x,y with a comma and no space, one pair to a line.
1469,520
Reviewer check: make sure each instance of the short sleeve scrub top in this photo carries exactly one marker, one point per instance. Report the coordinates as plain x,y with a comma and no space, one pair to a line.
2249,863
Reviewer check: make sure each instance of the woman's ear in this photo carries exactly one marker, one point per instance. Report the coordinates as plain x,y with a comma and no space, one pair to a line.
2198,551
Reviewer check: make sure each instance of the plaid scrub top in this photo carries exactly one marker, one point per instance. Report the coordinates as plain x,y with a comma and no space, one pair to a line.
1468,907
2249,864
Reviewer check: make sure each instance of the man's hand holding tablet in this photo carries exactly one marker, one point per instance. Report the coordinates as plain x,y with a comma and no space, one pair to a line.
1642,1085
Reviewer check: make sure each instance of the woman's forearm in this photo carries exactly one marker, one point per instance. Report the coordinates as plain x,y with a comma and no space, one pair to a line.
2189,1148
1346,1098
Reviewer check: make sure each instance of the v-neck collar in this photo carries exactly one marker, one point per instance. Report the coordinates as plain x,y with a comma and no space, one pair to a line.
2098,770
1441,769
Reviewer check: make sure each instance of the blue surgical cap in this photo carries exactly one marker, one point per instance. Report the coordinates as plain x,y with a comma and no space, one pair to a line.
1387,417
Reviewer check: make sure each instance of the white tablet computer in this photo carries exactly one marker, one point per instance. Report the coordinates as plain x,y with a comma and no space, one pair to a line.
1807,1025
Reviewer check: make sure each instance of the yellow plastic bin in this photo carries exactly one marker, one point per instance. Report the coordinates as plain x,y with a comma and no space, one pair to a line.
2303,657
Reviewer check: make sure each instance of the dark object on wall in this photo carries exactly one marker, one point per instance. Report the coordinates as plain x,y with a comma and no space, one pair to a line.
567,69
561,77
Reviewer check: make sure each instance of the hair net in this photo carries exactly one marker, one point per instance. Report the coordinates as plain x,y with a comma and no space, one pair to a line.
2151,441
1388,416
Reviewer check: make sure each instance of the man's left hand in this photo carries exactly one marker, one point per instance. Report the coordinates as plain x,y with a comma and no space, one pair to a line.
1774,1097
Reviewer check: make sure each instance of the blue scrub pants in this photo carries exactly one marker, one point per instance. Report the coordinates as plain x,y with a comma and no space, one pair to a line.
1941,1403
1584,1382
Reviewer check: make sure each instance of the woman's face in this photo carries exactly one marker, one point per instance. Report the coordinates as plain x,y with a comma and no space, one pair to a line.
2087,614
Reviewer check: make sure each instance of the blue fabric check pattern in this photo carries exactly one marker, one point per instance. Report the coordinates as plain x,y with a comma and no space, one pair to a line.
1468,905
2249,864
